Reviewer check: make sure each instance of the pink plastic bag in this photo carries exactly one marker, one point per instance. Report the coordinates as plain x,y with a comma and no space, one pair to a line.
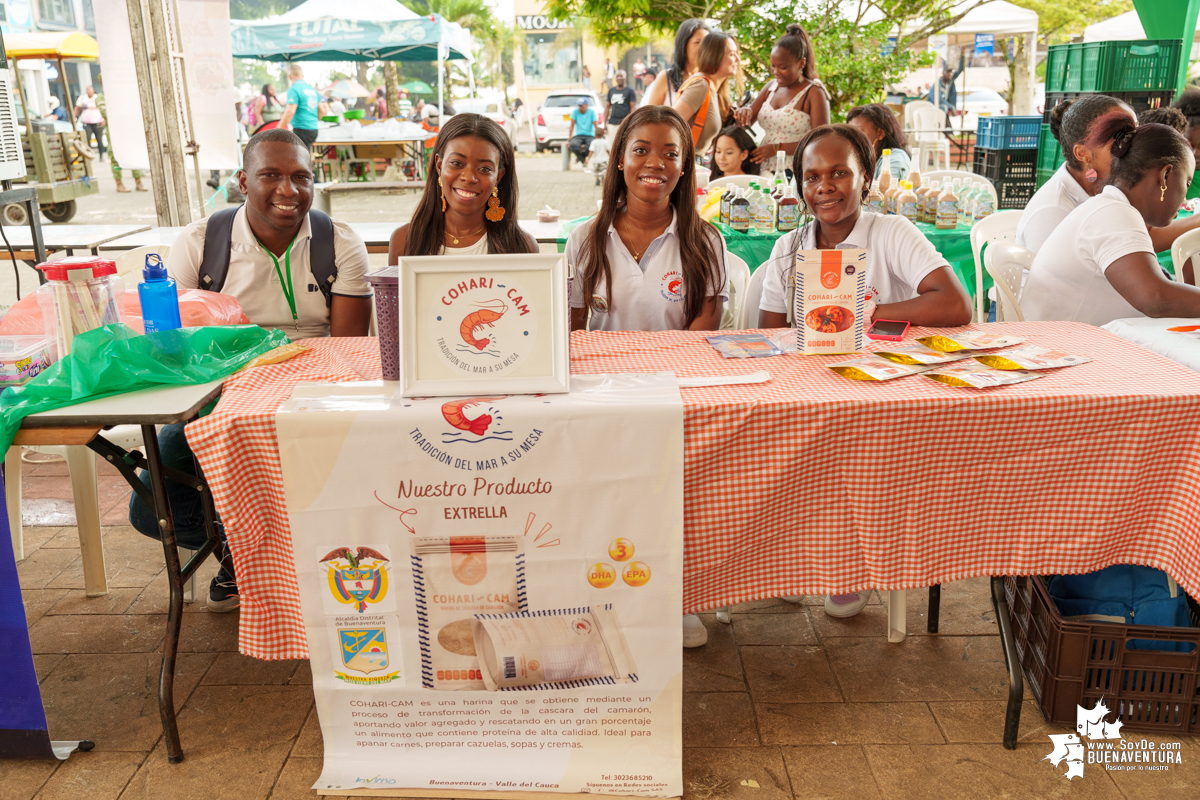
197,308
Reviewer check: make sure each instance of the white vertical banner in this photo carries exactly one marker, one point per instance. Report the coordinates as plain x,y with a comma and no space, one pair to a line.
208,56
491,586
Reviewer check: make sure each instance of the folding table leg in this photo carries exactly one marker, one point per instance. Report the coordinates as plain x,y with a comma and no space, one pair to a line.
897,616
935,608
1016,686
166,526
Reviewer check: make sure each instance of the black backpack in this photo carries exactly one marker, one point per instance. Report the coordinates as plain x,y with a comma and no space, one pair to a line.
215,264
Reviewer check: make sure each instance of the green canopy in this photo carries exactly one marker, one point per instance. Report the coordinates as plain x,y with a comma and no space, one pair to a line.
332,39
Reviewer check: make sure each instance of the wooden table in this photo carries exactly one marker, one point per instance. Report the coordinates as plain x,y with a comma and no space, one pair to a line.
80,425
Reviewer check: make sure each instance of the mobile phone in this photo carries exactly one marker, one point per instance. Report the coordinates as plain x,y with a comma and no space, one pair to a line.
891,330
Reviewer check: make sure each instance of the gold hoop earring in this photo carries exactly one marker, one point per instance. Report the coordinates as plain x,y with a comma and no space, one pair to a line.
442,192
1162,194
495,211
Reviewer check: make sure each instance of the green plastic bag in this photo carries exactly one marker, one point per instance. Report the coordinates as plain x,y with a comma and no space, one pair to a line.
115,359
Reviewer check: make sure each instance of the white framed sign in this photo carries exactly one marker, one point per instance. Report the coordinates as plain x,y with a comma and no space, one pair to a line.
483,324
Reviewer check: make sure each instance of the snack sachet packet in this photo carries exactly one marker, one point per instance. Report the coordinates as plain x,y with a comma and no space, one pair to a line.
829,300
455,578
977,376
968,340
872,368
919,354
1031,357
744,345
560,649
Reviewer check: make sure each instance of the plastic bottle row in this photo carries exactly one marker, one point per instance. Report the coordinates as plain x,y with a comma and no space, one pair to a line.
951,203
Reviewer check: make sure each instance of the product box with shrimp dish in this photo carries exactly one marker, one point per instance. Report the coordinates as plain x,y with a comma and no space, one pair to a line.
829,300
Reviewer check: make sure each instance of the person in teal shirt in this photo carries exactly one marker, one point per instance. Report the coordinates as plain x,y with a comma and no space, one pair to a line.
582,131
302,102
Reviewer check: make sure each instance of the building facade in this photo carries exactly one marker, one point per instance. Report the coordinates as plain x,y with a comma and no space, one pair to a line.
553,54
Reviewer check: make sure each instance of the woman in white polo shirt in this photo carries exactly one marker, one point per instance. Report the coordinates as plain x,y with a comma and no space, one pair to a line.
646,261
908,277
1099,265
469,206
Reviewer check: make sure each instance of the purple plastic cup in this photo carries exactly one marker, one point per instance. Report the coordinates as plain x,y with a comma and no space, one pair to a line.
386,284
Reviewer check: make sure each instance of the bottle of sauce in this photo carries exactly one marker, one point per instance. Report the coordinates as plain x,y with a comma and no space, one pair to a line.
929,207
889,197
789,210
764,212
875,201
885,172
921,197
914,177
984,205
726,196
780,174
739,212
947,209
906,202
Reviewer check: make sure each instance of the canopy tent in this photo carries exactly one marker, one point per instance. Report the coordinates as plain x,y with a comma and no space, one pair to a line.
365,30
996,17
1124,27
416,87
346,89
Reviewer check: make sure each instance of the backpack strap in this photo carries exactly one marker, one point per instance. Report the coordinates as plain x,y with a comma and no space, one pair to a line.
214,265
320,253
701,117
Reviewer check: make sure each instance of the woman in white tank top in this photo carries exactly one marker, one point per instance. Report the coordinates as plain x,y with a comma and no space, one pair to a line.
793,103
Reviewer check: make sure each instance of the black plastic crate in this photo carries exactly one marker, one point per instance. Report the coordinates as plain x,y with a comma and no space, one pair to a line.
1138,101
998,165
1015,193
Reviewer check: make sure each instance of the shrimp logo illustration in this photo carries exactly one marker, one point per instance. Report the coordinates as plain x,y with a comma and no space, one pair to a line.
359,578
671,286
481,427
486,315
483,325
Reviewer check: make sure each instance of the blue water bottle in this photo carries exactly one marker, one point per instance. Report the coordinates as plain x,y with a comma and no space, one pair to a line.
160,301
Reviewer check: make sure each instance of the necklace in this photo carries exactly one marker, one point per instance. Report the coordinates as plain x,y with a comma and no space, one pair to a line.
465,235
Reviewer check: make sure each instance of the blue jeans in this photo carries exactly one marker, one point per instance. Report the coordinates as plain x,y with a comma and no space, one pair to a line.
186,509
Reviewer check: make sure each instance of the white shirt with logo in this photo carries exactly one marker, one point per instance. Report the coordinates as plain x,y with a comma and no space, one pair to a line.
253,281
646,296
899,257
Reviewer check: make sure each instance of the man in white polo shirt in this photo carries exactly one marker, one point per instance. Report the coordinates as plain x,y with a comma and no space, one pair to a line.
290,269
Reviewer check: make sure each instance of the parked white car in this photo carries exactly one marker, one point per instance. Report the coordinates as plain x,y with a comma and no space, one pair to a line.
492,109
554,117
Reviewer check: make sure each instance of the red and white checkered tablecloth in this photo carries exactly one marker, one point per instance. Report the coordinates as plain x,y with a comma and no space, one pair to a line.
813,483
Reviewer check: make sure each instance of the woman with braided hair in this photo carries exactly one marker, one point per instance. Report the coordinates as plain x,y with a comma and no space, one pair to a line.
1099,265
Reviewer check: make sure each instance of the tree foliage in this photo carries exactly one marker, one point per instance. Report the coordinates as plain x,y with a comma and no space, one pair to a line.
854,56
1060,20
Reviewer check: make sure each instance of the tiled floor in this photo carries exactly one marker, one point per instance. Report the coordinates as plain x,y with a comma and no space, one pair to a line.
784,703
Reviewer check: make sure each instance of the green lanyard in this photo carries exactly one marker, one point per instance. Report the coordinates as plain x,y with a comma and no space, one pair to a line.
289,293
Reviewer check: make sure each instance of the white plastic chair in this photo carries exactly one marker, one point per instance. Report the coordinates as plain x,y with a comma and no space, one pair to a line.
999,227
1008,263
928,139
1184,247
910,110
133,260
739,278
748,319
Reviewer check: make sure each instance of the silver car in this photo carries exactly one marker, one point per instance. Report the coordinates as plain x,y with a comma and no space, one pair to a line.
492,109
554,117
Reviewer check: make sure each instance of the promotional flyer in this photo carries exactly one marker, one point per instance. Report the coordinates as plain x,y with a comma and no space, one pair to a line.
491,586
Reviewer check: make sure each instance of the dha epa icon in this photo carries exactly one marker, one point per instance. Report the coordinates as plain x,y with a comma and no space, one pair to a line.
1104,746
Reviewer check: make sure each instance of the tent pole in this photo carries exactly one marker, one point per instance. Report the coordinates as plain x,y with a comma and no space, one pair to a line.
150,122
441,74
62,73
16,67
